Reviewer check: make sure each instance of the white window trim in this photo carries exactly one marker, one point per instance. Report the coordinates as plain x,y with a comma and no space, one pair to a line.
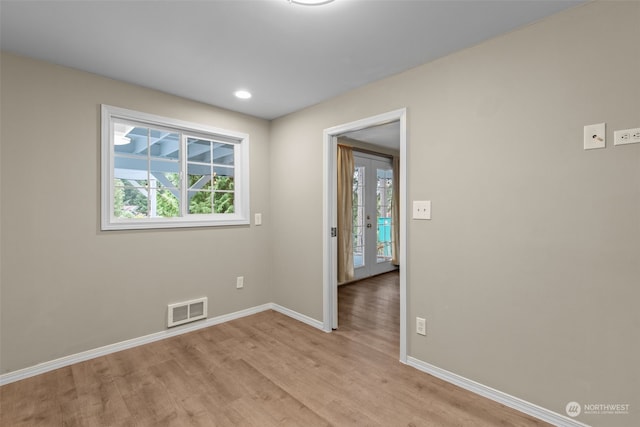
241,181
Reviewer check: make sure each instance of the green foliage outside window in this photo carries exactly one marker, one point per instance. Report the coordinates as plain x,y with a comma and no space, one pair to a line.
131,202
222,195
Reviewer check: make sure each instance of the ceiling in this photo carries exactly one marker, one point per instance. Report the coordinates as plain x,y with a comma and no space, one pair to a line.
387,135
289,56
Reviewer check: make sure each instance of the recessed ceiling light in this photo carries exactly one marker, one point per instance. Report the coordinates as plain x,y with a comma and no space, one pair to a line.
242,94
310,2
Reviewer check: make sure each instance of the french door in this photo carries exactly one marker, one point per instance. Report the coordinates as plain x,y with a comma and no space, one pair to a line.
372,199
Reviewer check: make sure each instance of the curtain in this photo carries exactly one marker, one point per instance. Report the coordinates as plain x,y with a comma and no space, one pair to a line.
395,213
345,213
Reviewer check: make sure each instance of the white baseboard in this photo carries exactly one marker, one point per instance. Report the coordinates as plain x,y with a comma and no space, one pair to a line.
300,317
134,342
495,395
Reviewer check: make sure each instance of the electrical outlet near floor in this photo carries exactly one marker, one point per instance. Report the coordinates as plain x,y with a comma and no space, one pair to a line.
421,326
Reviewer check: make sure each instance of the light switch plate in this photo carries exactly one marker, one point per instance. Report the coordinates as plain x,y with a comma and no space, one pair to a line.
595,136
422,209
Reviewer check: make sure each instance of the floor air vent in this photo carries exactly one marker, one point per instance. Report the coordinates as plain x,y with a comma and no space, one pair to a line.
187,311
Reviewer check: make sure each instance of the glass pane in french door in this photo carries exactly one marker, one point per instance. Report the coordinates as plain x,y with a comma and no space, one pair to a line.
358,216
384,180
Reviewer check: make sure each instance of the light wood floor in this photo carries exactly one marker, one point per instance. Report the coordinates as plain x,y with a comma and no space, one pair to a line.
262,370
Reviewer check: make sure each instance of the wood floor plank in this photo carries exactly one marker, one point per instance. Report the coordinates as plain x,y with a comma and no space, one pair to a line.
145,396
262,370
98,401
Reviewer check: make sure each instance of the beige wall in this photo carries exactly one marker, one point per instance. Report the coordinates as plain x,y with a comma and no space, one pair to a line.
66,286
529,273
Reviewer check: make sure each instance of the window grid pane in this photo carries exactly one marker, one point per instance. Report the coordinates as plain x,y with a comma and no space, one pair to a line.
384,179
211,177
131,171
358,216
130,199
159,168
146,172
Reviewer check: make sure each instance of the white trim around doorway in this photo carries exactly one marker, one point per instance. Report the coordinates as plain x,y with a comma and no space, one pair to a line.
329,194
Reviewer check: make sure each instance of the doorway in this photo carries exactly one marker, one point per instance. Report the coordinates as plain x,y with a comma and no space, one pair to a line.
372,218
330,283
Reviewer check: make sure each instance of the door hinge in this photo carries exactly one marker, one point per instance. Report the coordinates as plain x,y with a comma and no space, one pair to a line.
334,231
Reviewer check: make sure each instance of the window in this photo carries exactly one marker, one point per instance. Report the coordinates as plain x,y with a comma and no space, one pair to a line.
159,173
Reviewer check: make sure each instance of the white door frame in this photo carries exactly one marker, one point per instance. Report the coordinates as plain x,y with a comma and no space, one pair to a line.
329,194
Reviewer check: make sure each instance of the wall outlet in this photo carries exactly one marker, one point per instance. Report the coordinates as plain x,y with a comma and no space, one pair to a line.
626,136
240,282
421,326
422,209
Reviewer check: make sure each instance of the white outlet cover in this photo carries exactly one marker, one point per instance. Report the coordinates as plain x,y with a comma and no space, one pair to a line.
626,136
594,136
422,209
